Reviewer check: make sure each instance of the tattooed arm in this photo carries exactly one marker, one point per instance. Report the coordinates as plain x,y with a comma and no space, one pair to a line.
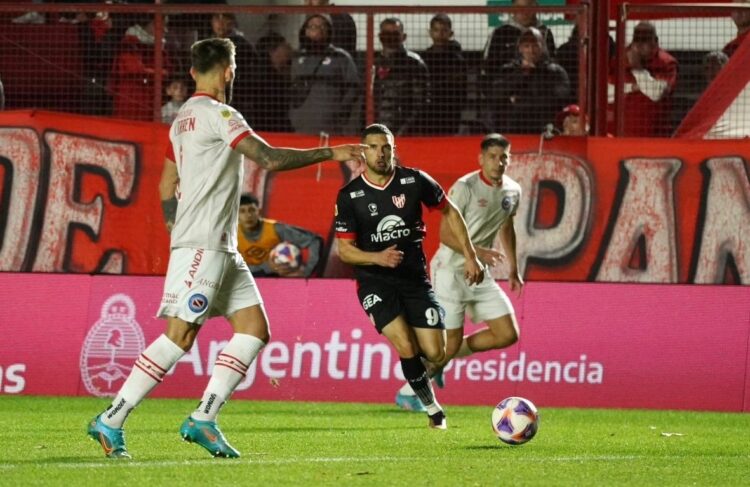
284,159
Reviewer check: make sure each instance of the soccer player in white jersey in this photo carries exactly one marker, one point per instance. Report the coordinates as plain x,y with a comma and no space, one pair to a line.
200,192
488,200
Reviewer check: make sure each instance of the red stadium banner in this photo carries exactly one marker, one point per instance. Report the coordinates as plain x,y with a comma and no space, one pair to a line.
79,195
581,345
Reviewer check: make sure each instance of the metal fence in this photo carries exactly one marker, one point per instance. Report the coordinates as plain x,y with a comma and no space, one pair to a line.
463,72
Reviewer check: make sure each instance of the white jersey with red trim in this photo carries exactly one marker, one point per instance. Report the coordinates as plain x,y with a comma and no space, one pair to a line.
485,208
203,138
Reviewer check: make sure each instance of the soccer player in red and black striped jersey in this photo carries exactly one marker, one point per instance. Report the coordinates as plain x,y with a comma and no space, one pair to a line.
379,229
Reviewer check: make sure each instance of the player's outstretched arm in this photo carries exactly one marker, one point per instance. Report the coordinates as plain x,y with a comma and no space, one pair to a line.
508,239
487,256
167,189
473,268
351,254
285,159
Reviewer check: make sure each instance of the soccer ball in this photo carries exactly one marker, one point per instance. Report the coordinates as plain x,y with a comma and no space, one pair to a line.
515,420
286,253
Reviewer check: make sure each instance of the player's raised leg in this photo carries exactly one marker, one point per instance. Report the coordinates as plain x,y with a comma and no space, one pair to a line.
500,333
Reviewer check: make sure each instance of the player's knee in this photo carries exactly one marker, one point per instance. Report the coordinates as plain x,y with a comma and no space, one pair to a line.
435,355
506,336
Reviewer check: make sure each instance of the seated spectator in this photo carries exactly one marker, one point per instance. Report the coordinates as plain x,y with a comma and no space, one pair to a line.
257,236
325,83
344,28
529,91
741,18
447,68
133,70
402,84
177,90
271,90
224,25
650,78
502,45
570,122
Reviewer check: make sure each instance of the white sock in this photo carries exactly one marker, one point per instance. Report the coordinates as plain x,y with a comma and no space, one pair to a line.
148,371
433,408
229,370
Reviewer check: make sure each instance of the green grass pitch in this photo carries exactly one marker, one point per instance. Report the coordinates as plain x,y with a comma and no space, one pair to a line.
282,443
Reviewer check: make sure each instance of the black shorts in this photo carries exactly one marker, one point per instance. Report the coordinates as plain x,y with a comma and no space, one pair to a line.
385,298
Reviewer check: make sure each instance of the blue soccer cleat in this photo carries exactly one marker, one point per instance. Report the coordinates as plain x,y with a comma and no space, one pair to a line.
409,403
208,435
112,440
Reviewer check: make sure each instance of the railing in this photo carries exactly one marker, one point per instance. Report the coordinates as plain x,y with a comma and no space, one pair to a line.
78,62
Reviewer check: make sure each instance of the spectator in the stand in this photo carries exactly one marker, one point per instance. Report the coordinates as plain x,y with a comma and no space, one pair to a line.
741,18
177,90
344,28
99,35
447,67
567,57
257,236
569,121
402,86
530,90
271,110
224,25
650,79
501,47
325,84
713,62
133,70
2,96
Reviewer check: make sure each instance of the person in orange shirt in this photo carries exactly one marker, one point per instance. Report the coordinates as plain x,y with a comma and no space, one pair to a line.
257,236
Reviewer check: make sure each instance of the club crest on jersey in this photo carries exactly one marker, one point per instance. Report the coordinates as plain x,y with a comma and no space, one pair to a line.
197,303
506,203
399,200
373,209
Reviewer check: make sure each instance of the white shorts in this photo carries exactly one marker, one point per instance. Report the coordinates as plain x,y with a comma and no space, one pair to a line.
483,301
202,283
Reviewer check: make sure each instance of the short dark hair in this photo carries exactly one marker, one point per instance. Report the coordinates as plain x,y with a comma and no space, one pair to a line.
207,54
377,128
494,140
442,19
393,20
249,199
